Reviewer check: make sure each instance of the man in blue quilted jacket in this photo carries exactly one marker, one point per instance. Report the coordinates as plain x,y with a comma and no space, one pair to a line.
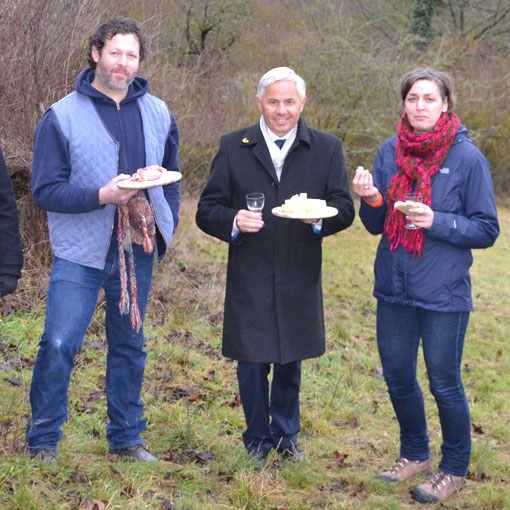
105,130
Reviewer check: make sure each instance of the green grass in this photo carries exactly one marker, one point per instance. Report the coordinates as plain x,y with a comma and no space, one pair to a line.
348,434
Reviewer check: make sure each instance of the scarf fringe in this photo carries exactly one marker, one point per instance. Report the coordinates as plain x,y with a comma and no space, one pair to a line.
148,244
411,240
142,226
136,320
123,244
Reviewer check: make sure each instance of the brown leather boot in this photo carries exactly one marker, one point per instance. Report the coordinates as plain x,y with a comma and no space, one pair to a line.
438,488
405,468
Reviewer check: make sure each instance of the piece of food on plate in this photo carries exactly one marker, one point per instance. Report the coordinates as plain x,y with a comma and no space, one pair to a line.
301,204
148,173
405,206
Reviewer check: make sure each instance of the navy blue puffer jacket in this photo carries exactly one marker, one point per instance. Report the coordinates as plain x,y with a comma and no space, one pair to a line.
465,217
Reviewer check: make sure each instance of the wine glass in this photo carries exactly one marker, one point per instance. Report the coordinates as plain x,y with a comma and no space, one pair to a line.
255,202
413,197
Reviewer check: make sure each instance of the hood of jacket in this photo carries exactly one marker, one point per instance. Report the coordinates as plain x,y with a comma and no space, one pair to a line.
139,87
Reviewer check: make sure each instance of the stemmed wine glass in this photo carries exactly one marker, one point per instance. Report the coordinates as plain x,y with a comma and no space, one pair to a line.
255,202
413,197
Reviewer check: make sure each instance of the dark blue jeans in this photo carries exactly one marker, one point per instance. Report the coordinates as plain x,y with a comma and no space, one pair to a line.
399,330
271,423
72,297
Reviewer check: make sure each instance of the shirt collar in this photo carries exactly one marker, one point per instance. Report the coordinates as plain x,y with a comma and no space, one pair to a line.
269,135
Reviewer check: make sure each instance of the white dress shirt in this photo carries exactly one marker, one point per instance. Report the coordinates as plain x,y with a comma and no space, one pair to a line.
277,155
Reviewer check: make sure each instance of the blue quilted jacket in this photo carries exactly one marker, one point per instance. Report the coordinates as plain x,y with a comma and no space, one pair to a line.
82,142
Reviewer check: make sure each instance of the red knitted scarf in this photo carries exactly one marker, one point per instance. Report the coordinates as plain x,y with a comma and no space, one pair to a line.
419,157
136,225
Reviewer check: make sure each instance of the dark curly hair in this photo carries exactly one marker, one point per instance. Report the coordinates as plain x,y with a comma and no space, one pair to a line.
111,28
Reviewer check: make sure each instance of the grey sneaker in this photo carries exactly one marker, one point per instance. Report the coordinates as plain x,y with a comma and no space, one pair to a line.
438,488
44,455
135,452
405,468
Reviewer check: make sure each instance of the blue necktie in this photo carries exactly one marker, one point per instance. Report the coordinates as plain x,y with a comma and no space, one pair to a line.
280,143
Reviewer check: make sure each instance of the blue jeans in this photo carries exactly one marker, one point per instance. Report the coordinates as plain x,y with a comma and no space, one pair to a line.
399,329
272,424
72,297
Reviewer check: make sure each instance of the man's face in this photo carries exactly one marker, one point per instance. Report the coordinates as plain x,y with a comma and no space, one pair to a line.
118,62
281,106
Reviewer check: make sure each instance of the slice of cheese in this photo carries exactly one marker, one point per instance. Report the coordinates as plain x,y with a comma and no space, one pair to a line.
301,204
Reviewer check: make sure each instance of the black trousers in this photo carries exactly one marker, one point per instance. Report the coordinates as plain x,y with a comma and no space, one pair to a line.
272,421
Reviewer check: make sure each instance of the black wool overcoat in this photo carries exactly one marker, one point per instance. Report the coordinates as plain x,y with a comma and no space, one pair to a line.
11,256
273,301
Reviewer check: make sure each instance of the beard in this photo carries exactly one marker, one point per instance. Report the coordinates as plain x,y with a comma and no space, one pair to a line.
107,81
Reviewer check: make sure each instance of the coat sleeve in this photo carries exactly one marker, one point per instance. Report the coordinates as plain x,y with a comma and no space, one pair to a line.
373,217
11,257
338,194
477,226
51,169
172,192
215,214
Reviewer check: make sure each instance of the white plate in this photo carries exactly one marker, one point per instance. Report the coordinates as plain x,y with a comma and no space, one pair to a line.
327,212
405,206
169,177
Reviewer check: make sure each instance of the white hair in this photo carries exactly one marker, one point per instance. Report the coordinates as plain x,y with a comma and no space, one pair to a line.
278,74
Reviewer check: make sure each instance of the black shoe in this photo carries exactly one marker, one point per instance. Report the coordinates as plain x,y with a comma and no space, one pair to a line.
136,452
291,453
44,455
258,456
260,460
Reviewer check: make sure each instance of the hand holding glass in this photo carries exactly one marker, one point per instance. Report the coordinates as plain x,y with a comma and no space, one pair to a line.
413,197
255,202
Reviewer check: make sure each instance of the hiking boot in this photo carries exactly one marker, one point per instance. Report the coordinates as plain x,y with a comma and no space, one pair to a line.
438,488
44,455
291,453
135,452
405,468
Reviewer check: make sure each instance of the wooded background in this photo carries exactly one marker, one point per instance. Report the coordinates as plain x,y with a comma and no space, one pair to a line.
207,56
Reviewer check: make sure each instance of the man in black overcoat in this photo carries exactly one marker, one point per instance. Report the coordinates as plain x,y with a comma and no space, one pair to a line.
273,302
11,256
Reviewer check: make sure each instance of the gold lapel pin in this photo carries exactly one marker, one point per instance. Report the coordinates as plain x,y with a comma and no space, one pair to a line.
245,140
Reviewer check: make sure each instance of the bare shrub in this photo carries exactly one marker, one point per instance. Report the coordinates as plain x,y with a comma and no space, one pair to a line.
42,43
193,68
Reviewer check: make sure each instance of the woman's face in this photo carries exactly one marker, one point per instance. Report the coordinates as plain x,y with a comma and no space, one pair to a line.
424,105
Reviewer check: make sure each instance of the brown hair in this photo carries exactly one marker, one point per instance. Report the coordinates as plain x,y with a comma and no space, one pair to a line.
443,80
111,28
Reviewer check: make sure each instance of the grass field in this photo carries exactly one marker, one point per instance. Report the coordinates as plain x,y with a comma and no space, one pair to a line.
194,418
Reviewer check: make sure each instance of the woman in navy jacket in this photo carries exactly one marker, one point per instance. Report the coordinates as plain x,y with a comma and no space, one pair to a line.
422,280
